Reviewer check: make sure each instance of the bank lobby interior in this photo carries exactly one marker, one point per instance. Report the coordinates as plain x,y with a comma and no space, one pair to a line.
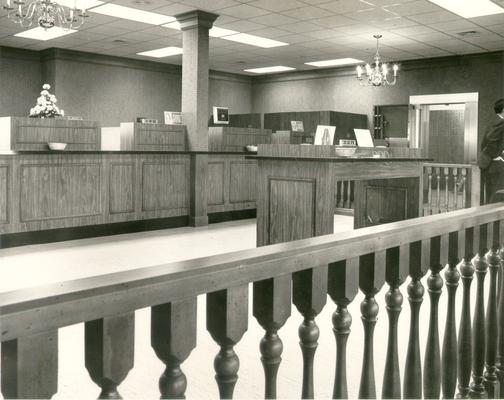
200,235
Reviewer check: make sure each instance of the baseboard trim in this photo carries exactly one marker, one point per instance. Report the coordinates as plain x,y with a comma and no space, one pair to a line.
90,231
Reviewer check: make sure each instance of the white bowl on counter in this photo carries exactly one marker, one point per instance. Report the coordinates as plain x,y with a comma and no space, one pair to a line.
57,146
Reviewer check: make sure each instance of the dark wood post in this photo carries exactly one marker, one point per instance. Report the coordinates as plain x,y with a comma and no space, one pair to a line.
227,321
477,389
371,279
109,351
500,316
271,308
449,357
309,294
343,285
464,363
173,337
397,265
432,360
30,366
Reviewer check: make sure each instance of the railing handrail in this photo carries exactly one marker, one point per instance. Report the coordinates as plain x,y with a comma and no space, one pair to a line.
448,165
32,310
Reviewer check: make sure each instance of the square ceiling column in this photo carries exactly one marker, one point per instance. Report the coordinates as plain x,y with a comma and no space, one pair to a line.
195,26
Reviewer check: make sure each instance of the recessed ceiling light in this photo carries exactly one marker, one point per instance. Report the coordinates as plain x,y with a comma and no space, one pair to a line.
163,52
40,33
265,70
470,8
254,40
133,14
335,62
213,32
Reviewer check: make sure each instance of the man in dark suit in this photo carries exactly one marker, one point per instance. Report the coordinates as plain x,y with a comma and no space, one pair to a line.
493,145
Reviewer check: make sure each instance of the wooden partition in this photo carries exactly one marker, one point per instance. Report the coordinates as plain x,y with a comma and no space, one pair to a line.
152,137
223,138
241,121
375,260
344,122
25,134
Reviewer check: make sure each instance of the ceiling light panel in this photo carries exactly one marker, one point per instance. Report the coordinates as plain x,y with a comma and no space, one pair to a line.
470,8
133,14
254,40
40,33
266,70
162,52
80,4
335,62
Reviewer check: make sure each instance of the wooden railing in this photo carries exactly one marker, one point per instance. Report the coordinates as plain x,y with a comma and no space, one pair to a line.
449,187
344,195
465,241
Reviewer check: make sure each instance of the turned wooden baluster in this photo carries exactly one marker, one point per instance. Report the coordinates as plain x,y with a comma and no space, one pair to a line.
30,366
349,194
173,337
432,360
397,265
343,285
493,261
419,260
464,347
371,279
309,294
109,351
429,191
227,321
338,193
455,188
438,190
477,389
464,187
271,308
456,248
500,316
447,187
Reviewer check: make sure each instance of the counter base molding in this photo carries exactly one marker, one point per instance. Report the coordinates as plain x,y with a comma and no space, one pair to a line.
28,134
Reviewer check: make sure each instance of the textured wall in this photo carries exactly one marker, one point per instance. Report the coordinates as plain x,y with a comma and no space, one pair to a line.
20,81
339,90
108,89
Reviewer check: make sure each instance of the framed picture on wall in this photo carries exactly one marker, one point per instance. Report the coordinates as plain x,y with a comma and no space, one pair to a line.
221,115
324,135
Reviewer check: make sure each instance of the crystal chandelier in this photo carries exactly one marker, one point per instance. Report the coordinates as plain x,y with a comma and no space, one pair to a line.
377,72
44,13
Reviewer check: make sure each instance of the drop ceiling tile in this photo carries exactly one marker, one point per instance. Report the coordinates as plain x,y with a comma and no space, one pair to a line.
244,11
413,30
224,19
300,27
277,5
211,5
434,17
89,36
243,26
454,26
492,46
455,45
274,20
394,23
346,6
482,39
270,33
371,15
324,34
317,2
432,52
146,5
489,20
98,19
138,36
431,37
108,30
174,9
306,13
128,25
414,7
295,38
334,21
496,28
358,29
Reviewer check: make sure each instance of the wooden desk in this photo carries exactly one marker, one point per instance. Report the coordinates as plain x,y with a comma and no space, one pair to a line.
296,193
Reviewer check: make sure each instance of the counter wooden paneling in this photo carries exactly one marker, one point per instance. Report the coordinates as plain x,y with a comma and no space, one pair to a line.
225,138
24,134
41,191
152,137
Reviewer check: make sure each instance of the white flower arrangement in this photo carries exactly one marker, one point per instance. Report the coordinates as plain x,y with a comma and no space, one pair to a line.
46,105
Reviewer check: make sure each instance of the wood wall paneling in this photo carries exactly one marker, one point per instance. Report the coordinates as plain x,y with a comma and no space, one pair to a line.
5,171
122,188
242,181
60,191
291,213
216,179
164,186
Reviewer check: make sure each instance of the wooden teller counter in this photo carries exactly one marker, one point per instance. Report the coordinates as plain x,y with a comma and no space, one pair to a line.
84,191
148,181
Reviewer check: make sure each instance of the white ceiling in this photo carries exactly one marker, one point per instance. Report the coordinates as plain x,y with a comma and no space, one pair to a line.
315,30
